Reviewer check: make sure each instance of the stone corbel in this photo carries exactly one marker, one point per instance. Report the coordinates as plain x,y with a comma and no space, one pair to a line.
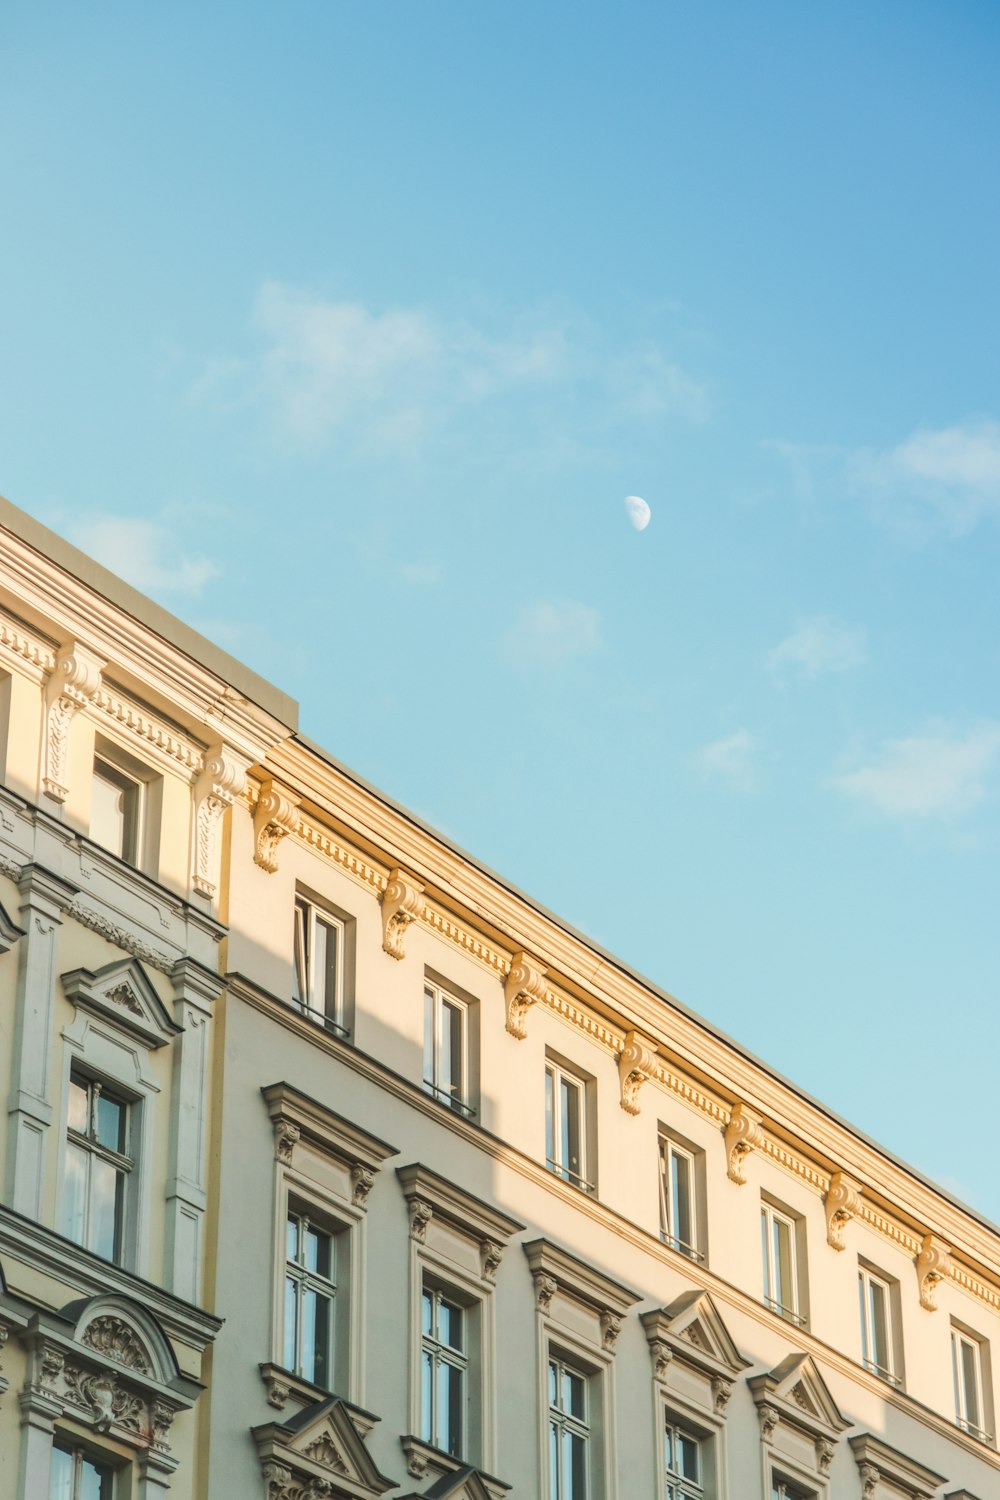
743,1135
722,1389
825,1453
421,1214
843,1203
362,1182
524,985
274,816
933,1266
661,1354
611,1327
636,1063
402,903
73,682
768,1416
545,1289
490,1256
286,1136
222,779
869,1477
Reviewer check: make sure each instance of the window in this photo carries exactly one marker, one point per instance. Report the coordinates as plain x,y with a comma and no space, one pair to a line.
685,1464
444,1367
875,1296
310,1293
446,1048
565,1126
116,811
75,1476
98,1163
318,975
678,1199
967,1369
781,1489
778,1247
569,1431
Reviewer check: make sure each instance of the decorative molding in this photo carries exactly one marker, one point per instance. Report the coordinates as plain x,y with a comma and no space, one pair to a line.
611,1327
120,937
692,1332
116,1340
295,1116
523,987
843,1203
362,1182
319,1454
402,903
17,640
876,1462
743,1135
222,780
722,1390
490,1257
545,1289
768,1417
431,1196
145,726
274,817
421,1214
122,993
825,1452
286,1137
636,1063
73,681
933,1266
795,1394
661,1354
555,1269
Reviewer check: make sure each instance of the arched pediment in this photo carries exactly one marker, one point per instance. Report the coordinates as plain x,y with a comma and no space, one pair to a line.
124,1333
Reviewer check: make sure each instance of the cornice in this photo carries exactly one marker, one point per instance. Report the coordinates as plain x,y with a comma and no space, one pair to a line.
462,1210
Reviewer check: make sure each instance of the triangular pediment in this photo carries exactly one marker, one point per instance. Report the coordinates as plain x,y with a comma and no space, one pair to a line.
800,1393
693,1325
321,1442
9,931
123,993
465,1484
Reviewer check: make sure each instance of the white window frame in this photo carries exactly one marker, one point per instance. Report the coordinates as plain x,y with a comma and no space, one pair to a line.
770,1216
306,1280
961,1339
122,1162
679,1487
440,1353
788,1489
564,1422
670,1151
440,1000
556,1075
326,1011
79,1456
110,771
868,1282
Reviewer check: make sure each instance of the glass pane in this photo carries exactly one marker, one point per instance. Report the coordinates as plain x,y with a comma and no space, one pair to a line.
575,1460
319,1252
78,1099
292,1238
300,968
95,1483
553,1384
550,1119
765,1254
783,1263
880,1325
291,1325
426,1398
430,1075
670,1448
316,1320
450,1408
450,1325
570,1102
61,1481
451,1050
575,1395
687,1452
427,1315
680,1199
75,1194
111,1123
327,967
866,1343
105,1203
970,1382
107,813
553,1457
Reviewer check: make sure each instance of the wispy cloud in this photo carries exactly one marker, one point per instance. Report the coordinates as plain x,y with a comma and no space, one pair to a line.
729,760
327,369
939,774
552,632
146,553
818,645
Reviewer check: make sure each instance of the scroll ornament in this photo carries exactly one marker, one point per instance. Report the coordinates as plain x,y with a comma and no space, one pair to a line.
743,1135
222,779
402,903
636,1063
933,1266
74,681
843,1203
524,985
274,816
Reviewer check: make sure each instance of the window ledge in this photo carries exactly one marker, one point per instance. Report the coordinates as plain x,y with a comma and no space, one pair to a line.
422,1459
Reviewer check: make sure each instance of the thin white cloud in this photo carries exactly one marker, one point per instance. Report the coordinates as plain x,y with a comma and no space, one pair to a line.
935,775
146,553
552,632
729,760
819,645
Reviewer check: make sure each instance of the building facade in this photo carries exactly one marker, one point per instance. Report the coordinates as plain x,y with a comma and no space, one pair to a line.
335,1167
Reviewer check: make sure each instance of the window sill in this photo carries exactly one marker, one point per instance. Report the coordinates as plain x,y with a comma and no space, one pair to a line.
688,1251
572,1178
457,1106
885,1375
320,1021
422,1459
980,1435
785,1313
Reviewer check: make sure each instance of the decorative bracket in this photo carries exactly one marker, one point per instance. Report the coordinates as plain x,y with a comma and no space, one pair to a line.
421,1214
525,983
490,1256
545,1289
73,682
661,1354
286,1137
843,1203
743,1135
402,903
274,816
636,1063
933,1266
220,783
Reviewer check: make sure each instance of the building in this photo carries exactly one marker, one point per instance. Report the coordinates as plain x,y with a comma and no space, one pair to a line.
336,1167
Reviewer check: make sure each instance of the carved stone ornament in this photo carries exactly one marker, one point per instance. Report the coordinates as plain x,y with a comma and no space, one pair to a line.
933,1266
743,1135
325,1451
843,1203
73,682
545,1289
421,1214
51,1364
125,996
286,1134
825,1451
278,1392
402,903
282,1484
222,779
274,816
722,1389
490,1256
768,1421
362,1182
661,1354
611,1327
636,1063
116,1340
869,1480
416,1464
161,1418
524,985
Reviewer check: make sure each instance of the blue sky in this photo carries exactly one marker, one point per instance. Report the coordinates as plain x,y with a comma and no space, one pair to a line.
344,330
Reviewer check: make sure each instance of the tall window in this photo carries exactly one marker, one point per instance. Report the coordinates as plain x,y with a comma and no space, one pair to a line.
75,1476
777,1232
318,979
310,1292
781,1489
116,811
967,1368
444,1369
98,1164
876,1325
678,1214
685,1467
445,1048
565,1144
569,1432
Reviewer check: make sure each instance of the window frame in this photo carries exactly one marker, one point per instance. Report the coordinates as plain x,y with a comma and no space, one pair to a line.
672,1146
783,1488
133,810
677,1485
557,1073
133,775
559,1358
772,1214
123,1163
79,1455
442,997
869,1278
333,1016
441,1354
964,1337
298,1274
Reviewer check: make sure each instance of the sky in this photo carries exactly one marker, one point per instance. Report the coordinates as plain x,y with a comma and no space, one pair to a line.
344,330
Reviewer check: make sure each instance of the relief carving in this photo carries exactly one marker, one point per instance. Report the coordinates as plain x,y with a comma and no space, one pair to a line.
362,1182
286,1134
402,903
125,996
421,1215
869,1480
636,1063
222,780
825,1451
274,816
843,1203
661,1355
325,1451
611,1327
768,1421
116,1340
545,1289
490,1256
722,1389
524,985
743,1135
73,682
933,1266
